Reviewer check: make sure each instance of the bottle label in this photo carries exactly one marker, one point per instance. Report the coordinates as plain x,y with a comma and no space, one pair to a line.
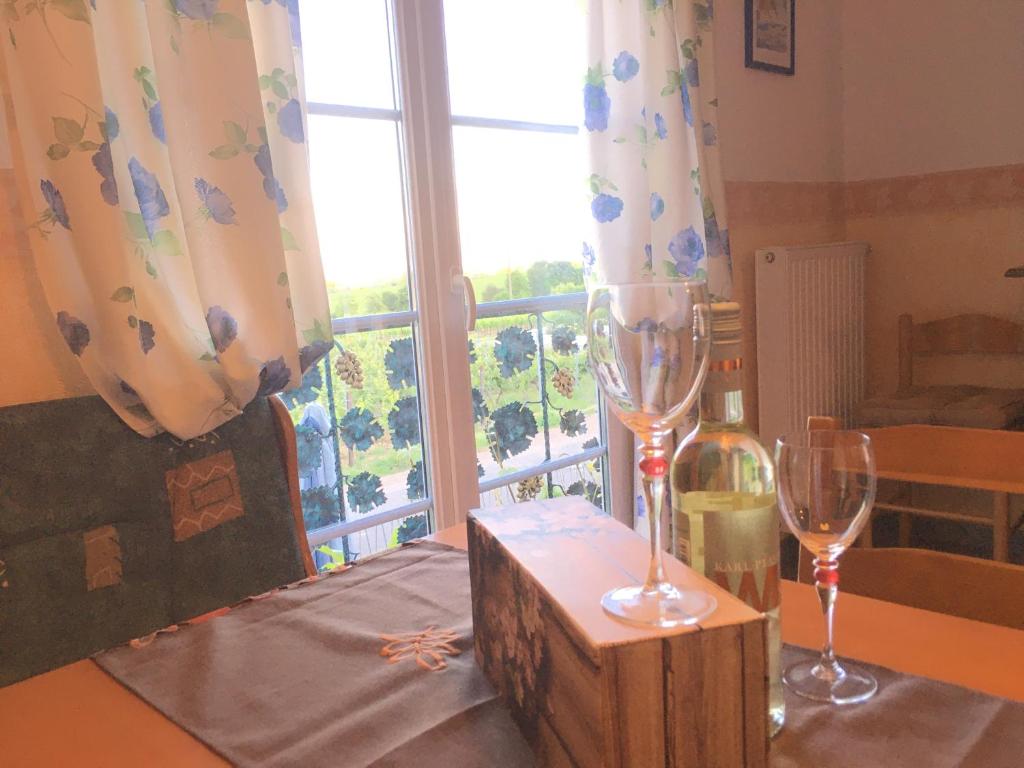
733,539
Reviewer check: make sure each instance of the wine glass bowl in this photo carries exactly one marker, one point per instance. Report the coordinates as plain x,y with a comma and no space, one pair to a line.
826,490
648,349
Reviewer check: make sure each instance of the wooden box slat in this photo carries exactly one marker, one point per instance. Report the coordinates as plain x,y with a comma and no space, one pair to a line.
590,691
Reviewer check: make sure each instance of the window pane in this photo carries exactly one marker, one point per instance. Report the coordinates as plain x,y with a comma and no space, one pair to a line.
358,201
583,479
532,71
522,198
346,52
358,434
516,428
371,541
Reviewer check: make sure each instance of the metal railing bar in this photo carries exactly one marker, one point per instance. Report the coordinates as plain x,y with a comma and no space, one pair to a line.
344,110
321,535
389,320
542,468
513,125
379,113
339,487
542,375
532,304
337,530
381,322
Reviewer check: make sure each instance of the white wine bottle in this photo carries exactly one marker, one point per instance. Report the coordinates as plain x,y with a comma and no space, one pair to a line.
724,518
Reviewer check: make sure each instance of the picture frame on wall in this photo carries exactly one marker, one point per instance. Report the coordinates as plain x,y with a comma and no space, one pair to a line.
770,32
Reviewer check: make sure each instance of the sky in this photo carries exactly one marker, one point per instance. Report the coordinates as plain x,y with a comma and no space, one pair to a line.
522,195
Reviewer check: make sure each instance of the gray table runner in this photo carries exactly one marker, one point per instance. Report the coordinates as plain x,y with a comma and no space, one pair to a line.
298,679
911,721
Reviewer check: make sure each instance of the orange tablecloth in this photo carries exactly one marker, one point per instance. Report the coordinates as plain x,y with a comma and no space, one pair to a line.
77,715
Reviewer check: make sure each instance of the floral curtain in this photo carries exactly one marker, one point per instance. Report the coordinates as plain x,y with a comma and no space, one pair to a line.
164,178
657,195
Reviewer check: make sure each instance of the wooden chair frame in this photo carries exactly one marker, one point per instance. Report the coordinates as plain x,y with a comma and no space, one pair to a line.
969,587
958,335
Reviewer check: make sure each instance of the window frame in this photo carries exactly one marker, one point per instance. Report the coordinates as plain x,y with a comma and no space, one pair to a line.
437,315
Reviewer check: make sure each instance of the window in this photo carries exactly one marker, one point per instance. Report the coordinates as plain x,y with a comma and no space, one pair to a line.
409,423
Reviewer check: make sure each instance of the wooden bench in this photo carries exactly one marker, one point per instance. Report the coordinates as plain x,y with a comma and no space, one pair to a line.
983,459
968,587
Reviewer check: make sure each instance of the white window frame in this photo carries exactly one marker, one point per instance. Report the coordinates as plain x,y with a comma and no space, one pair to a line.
438,313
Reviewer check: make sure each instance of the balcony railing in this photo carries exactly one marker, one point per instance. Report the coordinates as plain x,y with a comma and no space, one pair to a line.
539,428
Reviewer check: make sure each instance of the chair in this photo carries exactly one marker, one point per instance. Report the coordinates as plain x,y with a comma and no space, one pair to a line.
952,406
107,536
958,585
822,422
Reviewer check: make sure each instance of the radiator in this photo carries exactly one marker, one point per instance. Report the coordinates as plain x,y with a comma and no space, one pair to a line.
810,334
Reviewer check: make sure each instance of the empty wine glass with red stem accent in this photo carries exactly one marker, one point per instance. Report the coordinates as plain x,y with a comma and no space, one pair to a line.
648,349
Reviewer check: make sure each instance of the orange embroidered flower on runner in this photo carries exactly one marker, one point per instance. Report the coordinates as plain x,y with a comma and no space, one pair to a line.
429,647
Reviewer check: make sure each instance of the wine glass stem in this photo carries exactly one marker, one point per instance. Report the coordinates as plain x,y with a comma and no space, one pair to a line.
826,579
653,468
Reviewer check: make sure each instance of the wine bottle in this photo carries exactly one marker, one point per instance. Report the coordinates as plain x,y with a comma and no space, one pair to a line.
724,516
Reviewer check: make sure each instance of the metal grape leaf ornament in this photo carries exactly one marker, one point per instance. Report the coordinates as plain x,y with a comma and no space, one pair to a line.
359,429
319,507
514,349
309,444
590,490
480,410
400,364
414,485
573,423
413,528
307,391
404,423
563,340
365,492
513,428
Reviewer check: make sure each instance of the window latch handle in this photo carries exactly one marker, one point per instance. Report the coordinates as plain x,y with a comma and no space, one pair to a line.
463,282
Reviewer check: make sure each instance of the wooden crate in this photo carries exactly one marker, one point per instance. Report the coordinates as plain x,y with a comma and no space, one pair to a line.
587,690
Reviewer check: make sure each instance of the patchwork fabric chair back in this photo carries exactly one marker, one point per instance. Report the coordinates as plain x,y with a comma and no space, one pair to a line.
107,536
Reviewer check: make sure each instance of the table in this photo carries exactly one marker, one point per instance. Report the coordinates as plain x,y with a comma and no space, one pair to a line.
982,459
78,715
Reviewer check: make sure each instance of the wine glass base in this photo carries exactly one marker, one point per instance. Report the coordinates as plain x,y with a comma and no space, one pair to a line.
664,606
840,684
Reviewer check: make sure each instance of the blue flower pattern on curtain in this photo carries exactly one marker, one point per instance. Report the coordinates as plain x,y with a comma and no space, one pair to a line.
650,113
184,277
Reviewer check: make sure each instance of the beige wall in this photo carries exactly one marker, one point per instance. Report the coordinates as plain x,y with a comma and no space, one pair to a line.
927,98
781,156
858,145
931,85
935,263
774,127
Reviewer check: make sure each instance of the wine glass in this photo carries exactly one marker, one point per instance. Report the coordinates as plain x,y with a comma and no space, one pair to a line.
648,350
826,490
